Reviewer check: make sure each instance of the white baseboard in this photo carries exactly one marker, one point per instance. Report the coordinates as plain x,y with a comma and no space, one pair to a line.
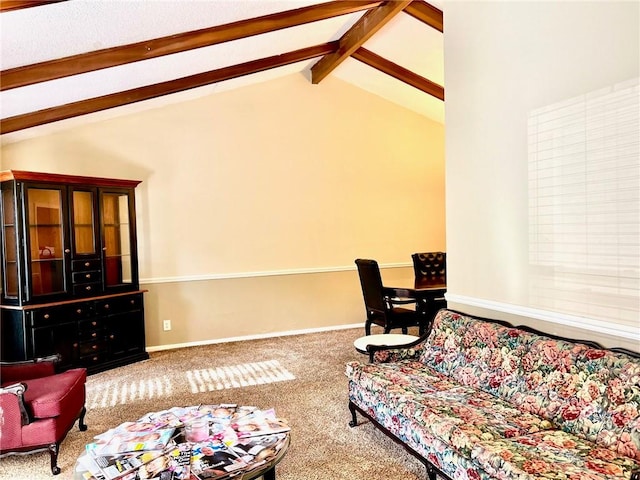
158,348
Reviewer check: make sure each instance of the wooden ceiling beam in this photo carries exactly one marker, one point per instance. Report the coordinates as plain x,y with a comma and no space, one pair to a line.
426,13
91,105
111,57
8,5
360,32
400,73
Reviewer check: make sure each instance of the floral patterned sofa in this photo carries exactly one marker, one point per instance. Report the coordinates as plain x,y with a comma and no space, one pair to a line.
480,399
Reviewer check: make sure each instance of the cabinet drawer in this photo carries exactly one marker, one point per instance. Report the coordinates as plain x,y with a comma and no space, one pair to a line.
87,289
92,348
49,316
81,310
91,333
79,278
84,265
91,360
119,304
90,325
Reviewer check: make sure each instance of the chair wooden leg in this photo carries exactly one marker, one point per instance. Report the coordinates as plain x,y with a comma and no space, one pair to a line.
367,327
53,452
81,425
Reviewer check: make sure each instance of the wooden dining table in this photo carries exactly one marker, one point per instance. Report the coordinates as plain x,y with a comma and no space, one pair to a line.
429,296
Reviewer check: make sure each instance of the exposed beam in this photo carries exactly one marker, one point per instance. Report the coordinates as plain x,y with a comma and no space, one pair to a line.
426,13
83,107
360,32
401,73
111,57
8,5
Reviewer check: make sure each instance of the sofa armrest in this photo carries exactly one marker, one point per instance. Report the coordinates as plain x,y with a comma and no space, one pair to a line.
12,403
387,354
11,372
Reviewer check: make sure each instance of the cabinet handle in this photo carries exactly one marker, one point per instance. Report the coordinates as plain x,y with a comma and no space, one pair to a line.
79,311
95,359
112,337
95,347
75,345
93,324
104,249
66,250
46,316
106,306
132,302
87,288
94,334
86,264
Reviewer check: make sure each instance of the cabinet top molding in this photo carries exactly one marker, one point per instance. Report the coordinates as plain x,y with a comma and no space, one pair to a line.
24,176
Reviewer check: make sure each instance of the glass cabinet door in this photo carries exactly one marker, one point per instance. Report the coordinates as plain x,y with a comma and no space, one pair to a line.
46,240
10,244
83,218
116,231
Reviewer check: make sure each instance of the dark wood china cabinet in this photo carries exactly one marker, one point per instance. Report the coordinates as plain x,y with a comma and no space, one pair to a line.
70,270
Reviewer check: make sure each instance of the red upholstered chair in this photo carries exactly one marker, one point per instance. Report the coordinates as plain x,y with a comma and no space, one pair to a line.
38,407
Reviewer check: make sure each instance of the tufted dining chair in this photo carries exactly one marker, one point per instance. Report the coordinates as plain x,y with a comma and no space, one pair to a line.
430,266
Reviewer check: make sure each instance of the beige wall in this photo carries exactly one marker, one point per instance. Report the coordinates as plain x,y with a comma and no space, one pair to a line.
504,59
256,201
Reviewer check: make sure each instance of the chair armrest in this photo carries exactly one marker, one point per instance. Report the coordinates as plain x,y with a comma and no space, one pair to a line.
397,296
29,369
635,475
387,354
395,292
12,399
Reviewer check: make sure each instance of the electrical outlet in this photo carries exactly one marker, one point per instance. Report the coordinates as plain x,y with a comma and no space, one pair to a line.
166,325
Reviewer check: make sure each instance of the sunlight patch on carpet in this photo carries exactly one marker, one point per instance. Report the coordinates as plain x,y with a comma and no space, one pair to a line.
236,376
121,392
110,394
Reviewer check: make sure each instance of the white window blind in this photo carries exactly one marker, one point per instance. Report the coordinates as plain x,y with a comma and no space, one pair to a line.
584,205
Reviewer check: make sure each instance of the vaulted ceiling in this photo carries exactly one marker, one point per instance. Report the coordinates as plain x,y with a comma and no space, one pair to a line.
65,59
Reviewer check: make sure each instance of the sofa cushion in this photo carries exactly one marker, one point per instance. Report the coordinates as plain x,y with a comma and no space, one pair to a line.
456,414
483,355
551,455
589,392
54,395
407,430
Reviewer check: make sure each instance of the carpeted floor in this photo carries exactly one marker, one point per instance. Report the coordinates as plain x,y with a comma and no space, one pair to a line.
302,377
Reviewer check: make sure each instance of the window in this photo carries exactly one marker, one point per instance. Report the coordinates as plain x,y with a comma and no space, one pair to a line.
584,205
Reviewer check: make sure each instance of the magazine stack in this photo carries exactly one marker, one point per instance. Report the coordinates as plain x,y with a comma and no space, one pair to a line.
187,443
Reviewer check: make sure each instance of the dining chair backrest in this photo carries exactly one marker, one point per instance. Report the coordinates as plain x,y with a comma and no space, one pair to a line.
430,265
371,282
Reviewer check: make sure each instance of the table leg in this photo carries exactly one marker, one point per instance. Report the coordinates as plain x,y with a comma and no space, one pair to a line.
270,474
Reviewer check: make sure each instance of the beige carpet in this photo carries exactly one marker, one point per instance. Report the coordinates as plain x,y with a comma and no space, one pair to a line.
302,377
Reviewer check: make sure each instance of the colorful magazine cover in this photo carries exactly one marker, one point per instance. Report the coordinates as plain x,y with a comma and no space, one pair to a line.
214,460
222,413
259,422
180,462
118,466
127,441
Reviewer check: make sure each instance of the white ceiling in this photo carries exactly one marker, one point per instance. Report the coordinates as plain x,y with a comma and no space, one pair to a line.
59,30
